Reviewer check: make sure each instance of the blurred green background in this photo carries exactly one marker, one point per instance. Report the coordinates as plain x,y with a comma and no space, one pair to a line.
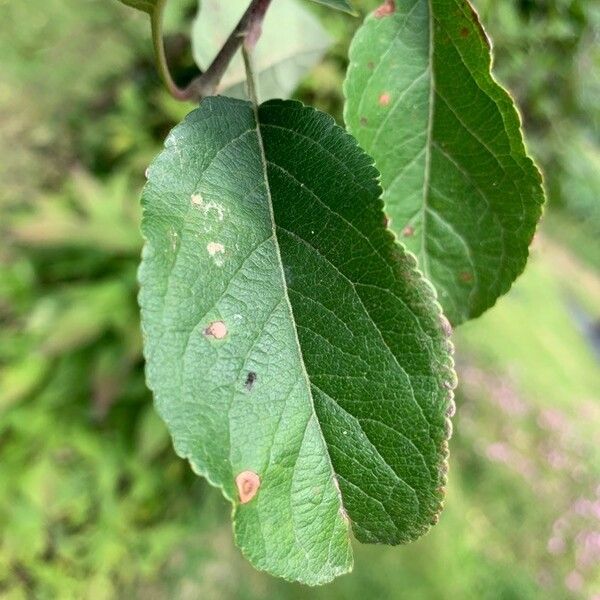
93,501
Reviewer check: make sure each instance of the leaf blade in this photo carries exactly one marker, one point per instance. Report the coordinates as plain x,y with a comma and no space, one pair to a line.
459,187
342,5
147,6
262,354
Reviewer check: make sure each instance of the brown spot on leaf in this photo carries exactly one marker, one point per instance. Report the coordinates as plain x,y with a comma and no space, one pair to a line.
371,65
384,99
408,231
217,330
464,32
250,380
364,120
386,9
466,277
247,483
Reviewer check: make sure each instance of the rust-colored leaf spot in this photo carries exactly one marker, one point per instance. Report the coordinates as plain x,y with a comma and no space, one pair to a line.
364,120
464,32
371,65
384,99
386,9
247,483
386,219
466,277
217,330
408,231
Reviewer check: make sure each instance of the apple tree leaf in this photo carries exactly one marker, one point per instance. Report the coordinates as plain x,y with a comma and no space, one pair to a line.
459,188
298,357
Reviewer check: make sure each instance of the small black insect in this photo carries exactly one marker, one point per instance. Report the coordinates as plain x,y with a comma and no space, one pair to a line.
250,380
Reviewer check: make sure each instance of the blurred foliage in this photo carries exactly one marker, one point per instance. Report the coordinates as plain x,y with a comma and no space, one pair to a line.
93,501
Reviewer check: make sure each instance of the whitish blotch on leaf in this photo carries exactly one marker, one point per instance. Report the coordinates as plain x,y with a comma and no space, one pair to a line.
206,207
247,483
216,250
217,330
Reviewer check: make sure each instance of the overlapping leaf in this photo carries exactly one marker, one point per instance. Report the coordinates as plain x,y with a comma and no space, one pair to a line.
298,357
292,42
342,5
460,189
147,6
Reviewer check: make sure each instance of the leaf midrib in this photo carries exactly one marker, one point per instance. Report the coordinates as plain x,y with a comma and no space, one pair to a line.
264,162
428,143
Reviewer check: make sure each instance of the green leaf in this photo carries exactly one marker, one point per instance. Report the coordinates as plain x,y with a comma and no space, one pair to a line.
147,6
289,340
460,189
342,5
292,42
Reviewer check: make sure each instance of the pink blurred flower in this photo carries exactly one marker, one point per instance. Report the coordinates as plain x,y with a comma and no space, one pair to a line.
574,581
556,545
498,451
552,420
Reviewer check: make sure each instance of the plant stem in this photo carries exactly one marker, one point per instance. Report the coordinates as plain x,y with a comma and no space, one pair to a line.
156,19
247,31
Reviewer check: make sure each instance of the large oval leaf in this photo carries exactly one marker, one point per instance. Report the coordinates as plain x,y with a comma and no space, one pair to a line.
459,187
298,358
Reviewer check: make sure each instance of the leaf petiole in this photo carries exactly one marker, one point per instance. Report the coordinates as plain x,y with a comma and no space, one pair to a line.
247,31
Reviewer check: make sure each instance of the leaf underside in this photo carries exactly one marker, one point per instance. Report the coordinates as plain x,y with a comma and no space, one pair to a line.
459,188
342,5
290,342
147,6
292,42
